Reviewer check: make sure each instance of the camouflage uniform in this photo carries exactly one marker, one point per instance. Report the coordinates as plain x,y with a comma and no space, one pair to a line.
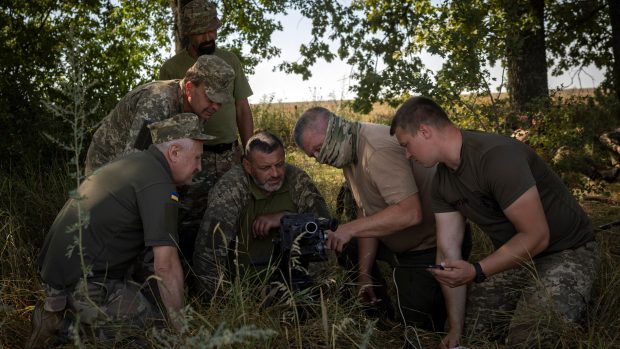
553,287
611,140
221,223
155,101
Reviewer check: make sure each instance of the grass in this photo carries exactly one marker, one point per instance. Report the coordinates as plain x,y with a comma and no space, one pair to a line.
32,195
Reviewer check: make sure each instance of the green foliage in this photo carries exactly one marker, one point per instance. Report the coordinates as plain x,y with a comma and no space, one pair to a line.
121,49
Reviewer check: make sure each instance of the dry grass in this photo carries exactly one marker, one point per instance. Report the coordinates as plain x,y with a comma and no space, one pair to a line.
31,198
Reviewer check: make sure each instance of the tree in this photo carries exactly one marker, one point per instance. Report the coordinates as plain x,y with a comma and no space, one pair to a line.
383,40
122,41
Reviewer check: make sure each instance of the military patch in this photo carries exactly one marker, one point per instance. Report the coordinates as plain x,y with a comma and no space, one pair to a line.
174,196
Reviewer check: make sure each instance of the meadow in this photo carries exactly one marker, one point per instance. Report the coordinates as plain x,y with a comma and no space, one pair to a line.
32,194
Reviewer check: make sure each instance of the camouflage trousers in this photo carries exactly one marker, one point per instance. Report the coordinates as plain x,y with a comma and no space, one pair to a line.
104,310
194,197
528,306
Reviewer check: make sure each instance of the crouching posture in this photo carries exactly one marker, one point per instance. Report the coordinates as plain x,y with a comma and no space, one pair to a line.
120,211
545,256
245,208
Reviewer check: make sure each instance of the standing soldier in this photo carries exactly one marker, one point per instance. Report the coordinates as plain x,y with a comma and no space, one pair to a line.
199,24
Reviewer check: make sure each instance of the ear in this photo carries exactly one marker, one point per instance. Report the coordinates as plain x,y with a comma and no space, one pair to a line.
425,130
173,153
188,88
247,167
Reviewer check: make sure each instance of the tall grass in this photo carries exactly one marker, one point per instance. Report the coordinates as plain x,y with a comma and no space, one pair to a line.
32,196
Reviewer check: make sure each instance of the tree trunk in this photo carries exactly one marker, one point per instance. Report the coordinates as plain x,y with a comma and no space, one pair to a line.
526,55
614,17
175,6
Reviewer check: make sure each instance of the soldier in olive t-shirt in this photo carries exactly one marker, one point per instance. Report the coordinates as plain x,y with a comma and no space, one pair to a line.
545,257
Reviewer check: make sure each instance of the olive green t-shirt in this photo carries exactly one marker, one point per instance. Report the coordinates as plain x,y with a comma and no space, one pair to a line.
128,204
494,172
223,124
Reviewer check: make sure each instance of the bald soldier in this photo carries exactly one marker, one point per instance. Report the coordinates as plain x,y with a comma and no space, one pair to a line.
393,197
127,206
202,91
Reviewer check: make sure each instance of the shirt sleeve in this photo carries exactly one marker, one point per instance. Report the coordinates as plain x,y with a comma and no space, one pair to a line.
306,195
507,174
392,174
159,214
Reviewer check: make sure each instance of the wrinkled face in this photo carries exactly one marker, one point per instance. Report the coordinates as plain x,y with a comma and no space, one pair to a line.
267,170
312,142
417,147
185,162
199,103
204,43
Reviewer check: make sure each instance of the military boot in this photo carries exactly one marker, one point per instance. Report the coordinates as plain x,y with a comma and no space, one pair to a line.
45,325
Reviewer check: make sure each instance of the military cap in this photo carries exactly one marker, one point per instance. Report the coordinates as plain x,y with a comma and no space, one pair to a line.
184,125
217,76
199,16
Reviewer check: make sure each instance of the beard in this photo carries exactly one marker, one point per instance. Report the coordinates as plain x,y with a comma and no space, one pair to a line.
206,48
266,186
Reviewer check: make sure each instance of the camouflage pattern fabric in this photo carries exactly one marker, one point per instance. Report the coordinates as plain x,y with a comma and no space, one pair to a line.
194,197
105,308
117,134
155,101
339,146
220,224
524,304
184,125
199,16
216,75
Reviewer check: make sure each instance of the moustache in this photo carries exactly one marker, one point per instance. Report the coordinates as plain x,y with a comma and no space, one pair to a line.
206,47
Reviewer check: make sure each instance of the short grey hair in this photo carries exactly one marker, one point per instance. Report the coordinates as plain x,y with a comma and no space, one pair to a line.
183,143
265,142
312,119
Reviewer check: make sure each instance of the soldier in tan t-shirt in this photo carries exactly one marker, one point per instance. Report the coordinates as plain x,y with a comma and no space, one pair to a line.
393,199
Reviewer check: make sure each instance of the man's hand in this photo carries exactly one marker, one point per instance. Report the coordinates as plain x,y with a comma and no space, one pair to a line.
337,239
455,273
264,223
451,340
366,291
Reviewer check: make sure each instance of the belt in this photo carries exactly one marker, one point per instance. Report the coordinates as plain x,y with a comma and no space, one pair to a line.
219,148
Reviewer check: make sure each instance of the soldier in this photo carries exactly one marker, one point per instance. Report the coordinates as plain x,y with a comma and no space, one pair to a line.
199,24
395,221
246,205
202,91
125,207
546,256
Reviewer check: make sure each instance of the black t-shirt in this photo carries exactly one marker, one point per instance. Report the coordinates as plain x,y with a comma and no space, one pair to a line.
126,205
494,172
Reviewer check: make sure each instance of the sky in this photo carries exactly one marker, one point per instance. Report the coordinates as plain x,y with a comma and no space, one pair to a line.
331,80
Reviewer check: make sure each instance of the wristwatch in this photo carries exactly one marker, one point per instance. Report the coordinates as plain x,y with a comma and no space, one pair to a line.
480,277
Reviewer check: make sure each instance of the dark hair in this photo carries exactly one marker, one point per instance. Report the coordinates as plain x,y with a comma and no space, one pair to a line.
264,141
416,111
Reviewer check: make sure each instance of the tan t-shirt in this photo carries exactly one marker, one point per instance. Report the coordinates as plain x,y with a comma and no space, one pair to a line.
382,177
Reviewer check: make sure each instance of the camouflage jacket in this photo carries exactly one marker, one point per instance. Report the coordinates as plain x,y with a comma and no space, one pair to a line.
611,139
220,224
155,101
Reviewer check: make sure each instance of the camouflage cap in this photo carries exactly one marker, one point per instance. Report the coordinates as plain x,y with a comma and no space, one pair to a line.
184,125
216,75
199,16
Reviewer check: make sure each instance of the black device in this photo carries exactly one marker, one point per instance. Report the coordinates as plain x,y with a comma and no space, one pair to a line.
143,140
301,236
